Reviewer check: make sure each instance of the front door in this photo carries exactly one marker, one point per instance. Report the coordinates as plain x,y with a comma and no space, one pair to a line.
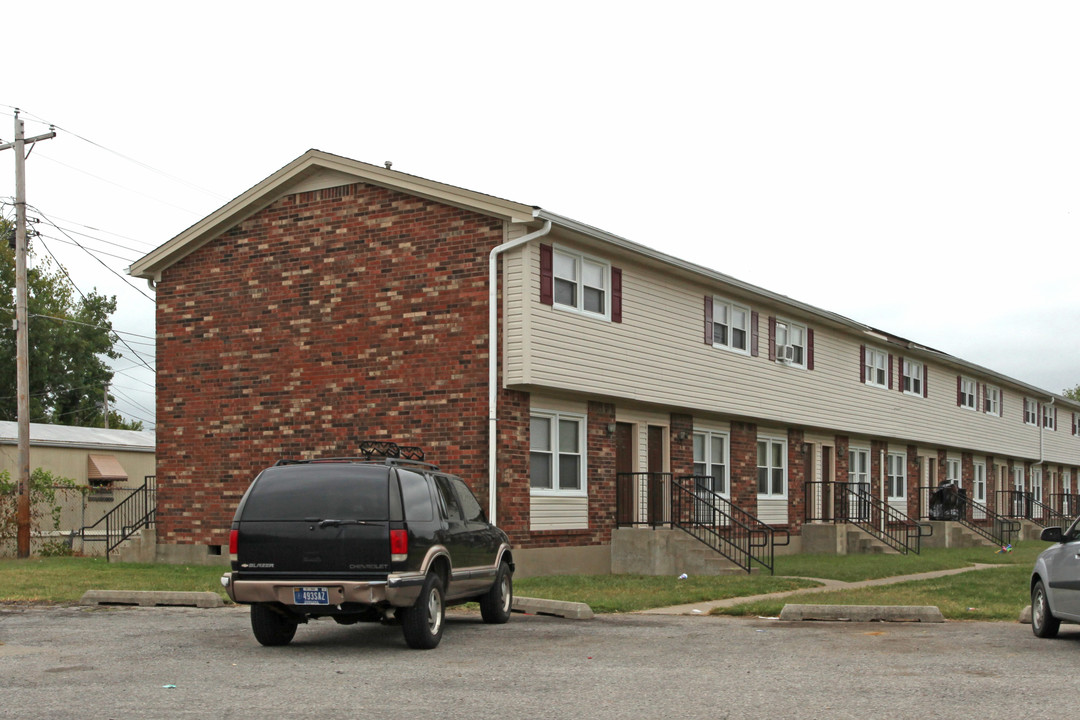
655,486
624,467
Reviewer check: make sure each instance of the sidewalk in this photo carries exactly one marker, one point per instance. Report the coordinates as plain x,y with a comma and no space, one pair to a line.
703,608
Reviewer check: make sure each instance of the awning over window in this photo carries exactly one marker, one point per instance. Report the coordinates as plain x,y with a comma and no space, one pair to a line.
104,467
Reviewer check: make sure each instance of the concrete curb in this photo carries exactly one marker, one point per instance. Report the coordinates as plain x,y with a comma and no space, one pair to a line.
557,608
151,598
863,613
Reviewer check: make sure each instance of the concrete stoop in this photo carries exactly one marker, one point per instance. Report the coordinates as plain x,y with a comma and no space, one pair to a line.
666,551
842,539
951,534
139,548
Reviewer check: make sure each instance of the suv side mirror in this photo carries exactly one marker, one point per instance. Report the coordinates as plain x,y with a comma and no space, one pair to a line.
1052,534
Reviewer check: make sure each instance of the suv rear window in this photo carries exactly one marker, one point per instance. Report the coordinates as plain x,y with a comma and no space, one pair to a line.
332,490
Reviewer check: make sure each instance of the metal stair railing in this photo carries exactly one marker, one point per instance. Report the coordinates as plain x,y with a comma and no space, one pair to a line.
642,499
721,525
1022,505
136,511
1068,504
953,504
854,504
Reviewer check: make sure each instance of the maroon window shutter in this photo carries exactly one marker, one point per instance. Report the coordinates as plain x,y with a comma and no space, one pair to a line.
1055,419
890,371
809,348
900,373
547,282
754,333
958,390
708,320
772,337
925,381
862,363
616,295
1074,423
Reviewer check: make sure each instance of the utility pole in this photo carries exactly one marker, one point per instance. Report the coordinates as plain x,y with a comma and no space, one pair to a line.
105,405
22,325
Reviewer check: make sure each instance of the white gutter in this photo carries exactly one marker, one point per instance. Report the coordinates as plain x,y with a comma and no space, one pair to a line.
493,356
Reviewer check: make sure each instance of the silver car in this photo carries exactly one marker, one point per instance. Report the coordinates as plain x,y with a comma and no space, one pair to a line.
1055,581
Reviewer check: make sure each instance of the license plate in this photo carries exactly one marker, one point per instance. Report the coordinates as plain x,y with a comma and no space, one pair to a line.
311,596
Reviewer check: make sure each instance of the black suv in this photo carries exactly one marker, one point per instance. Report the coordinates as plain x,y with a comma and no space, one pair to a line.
384,537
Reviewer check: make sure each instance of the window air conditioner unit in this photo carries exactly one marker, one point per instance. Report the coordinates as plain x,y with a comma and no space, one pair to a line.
787,353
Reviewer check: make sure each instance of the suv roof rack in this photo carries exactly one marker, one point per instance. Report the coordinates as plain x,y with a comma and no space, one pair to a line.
389,452
386,449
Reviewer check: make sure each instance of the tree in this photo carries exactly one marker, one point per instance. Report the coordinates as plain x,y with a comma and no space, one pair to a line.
1072,393
70,340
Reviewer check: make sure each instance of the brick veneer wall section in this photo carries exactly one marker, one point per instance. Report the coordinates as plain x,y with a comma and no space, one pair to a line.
913,482
744,466
681,455
842,460
324,319
601,441
877,447
512,482
798,456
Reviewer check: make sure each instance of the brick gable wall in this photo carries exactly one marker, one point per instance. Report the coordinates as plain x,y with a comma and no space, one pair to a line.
327,318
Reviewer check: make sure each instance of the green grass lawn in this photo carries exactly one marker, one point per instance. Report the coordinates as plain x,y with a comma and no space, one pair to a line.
61,580
993,594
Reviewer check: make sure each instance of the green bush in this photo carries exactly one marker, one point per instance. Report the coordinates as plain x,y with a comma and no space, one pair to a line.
45,511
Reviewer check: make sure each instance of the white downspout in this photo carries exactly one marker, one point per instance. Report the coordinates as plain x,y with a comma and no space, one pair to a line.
493,356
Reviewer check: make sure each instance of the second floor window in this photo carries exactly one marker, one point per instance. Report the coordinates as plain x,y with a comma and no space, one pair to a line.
1049,417
876,368
965,389
731,325
580,283
1031,412
991,400
790,343
913,377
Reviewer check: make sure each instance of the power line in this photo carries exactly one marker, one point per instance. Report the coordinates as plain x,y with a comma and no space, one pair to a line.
100,252
48,220
151,168
83,295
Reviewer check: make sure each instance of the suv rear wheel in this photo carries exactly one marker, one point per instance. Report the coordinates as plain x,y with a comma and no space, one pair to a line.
271,626
423,622
495,604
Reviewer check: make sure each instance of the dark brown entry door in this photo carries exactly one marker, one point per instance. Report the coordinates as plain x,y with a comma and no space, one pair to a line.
656,466
624,466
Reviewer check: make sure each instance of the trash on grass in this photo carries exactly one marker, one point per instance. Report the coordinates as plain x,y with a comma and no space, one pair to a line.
683,576
168,687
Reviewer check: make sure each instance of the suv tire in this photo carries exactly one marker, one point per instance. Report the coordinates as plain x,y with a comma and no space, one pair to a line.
271,626
1043,623
496,603
423,622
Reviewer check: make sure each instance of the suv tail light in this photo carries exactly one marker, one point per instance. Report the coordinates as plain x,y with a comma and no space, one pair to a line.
399,545
234,537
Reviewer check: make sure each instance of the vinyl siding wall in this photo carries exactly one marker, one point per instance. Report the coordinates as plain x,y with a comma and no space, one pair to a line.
657,355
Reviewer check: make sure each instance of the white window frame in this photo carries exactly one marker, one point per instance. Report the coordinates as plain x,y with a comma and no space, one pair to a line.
896,480
969,391
855,476
1037,484
707,463
954,471
1018,478
877,362
579,261
555,451
771,443
913,378
1048,417
992,394
785,330
979,482
1031,415
727,308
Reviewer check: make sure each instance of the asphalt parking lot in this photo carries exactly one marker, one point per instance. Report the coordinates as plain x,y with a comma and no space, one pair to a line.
126,662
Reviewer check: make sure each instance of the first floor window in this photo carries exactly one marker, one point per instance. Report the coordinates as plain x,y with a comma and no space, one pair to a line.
896,475
1018,478
556,460
710,461
913,379
772,467
980,483
1036,485
877,368
952,471
859,468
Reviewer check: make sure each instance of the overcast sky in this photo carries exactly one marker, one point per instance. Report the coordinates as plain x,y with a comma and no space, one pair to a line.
914,166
